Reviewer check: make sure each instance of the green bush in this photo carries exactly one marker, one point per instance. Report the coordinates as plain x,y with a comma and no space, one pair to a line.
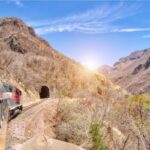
139,107
97,137
140,101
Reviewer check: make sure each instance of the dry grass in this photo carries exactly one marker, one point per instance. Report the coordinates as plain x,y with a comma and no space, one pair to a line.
121,128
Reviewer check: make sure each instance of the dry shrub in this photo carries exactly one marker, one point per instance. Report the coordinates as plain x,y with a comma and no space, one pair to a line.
119,126
75,117
74,120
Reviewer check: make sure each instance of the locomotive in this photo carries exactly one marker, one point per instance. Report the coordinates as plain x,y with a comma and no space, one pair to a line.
10,101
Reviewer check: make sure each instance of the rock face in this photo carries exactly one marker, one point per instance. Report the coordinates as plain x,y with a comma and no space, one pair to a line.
132,72
30,62
44,143
9,26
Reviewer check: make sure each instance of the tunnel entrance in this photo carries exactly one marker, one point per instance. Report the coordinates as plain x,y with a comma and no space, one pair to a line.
44,92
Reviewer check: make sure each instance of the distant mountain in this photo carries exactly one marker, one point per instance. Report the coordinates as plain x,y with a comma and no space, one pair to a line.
131,72
30,62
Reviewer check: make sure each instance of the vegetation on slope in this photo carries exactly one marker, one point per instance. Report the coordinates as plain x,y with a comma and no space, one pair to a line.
122,124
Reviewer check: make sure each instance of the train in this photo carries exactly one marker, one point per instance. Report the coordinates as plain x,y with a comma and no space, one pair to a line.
10,101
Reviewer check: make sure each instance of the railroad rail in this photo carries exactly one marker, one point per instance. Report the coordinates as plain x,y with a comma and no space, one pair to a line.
32,105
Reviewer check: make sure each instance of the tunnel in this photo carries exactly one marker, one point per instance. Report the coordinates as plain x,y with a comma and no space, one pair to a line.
44,92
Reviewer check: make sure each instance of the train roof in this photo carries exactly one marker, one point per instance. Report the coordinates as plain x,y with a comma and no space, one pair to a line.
6,87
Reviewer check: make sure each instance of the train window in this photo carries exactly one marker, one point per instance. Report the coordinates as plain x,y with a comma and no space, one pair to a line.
2,87
7,88
18,92
44,92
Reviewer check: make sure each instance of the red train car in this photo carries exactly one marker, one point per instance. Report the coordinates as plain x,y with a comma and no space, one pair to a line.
10,101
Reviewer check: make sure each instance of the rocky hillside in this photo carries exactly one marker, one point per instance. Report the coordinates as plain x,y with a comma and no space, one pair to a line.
131,72
30,62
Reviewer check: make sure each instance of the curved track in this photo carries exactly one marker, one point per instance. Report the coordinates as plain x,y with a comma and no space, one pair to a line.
3,131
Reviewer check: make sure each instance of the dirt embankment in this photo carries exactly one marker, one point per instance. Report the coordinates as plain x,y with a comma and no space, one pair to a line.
36,121
44,143
34,129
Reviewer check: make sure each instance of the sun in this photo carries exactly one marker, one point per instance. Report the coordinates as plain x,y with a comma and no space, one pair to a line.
91,65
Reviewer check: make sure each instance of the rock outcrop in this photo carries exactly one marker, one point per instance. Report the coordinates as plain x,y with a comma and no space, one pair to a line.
44,143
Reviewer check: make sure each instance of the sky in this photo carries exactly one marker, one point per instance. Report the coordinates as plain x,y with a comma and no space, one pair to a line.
93,32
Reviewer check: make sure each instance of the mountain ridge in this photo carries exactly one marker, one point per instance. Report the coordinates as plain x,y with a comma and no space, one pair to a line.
131,71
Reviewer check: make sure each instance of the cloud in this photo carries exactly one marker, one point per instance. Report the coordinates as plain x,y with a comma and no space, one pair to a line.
17,2
131,30
146,36
101,19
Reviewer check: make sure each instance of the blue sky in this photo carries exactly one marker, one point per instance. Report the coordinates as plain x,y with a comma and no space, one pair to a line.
91,32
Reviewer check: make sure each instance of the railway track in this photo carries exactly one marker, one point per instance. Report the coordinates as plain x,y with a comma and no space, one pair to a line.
3,131
26,108
35,104
30,122
32,105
